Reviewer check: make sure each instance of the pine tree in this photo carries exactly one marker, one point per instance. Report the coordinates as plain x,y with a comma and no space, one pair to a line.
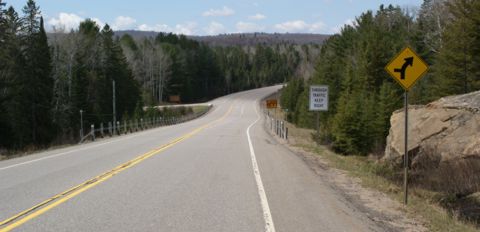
46,129
5,85
4,59
475,19
31,22
115,68
12,70
38,83
455,68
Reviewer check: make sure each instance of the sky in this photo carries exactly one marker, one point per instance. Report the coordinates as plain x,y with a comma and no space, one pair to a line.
209,17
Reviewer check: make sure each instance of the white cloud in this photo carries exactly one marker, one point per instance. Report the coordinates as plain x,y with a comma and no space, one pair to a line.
317,27
337,29
99,22
188,28
225,11
65,22
215,28
157,28
257,17
292,26
248,27
123,23
300,26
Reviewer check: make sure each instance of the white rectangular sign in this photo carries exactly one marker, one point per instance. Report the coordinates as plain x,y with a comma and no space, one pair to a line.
318,98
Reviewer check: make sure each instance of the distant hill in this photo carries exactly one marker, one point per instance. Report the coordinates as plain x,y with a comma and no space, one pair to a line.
243,39
261,38
137,34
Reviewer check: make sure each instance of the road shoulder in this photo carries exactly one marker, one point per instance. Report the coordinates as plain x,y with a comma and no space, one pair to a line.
377,206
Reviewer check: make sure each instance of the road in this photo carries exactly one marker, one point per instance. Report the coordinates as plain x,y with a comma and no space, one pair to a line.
221,172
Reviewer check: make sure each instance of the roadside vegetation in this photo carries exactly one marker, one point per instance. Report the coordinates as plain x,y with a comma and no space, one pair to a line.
46,79
427,206
423,204
363,97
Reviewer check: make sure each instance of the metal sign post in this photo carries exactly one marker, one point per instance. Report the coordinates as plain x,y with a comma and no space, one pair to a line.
114,106
81,124
406,68
405,151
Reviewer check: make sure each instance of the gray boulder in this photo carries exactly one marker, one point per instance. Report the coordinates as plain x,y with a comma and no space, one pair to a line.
443,135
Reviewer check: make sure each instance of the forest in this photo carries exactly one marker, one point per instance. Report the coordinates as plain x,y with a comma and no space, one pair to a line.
48,78
362,95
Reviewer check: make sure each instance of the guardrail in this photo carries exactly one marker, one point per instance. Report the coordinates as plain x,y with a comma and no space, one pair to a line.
131,126
277,126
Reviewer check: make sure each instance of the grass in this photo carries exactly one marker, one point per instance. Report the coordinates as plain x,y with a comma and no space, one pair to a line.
29,150
422,203
199,108
10,154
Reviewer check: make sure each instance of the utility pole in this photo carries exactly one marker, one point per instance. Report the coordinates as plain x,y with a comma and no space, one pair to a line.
114,110
160,83
81,124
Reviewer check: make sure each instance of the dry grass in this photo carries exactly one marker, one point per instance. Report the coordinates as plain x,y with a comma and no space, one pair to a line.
459,176
423,204
199,108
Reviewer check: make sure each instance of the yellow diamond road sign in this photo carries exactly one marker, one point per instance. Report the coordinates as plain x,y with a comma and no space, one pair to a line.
407,68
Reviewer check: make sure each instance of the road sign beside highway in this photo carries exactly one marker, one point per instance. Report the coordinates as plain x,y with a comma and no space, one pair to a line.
407,68
272,104
318,98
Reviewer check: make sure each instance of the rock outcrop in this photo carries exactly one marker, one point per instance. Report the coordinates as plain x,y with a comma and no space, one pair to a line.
449,126
443,132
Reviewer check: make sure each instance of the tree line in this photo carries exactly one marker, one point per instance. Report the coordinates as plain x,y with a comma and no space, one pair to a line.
362,95
170,64
25,64
47,79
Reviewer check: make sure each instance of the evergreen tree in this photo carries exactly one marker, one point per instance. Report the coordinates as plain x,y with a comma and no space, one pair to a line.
455,68
26,74
115,68
5,85
362,95
11,71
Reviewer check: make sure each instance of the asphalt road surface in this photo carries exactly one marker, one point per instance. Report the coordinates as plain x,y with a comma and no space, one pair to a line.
221,172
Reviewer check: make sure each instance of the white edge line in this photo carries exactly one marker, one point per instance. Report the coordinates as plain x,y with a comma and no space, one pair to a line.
71,151
267,215
80,149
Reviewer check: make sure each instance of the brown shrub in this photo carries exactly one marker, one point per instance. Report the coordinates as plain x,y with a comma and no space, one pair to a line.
459,176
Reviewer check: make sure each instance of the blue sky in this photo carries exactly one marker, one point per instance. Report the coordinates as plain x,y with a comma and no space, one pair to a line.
210,17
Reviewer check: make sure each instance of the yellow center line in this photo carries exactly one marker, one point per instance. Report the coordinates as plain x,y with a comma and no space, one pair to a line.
44,206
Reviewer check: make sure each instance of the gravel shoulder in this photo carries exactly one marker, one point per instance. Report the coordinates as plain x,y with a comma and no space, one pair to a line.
377,206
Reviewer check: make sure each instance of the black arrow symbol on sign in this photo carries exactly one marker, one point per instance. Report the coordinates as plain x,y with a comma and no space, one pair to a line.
408,62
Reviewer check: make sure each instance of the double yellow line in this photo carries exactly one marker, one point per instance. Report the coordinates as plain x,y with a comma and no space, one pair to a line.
39,209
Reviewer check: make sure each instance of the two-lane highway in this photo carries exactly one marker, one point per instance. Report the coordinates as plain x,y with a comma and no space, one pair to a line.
221,172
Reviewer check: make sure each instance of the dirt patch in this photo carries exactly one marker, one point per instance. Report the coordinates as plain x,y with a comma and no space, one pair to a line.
384,211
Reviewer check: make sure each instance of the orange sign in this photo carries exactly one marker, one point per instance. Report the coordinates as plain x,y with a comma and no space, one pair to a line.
272,104
174,98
